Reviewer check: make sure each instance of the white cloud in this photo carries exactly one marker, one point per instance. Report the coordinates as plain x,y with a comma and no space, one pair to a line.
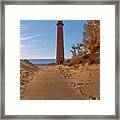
30,37
25,27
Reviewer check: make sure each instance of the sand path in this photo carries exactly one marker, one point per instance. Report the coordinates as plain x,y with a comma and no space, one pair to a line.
49,84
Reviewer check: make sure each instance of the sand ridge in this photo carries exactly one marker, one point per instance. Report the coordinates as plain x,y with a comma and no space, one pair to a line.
85,79
59,82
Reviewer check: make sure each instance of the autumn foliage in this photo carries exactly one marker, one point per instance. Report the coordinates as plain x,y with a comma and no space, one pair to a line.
89,50
91,40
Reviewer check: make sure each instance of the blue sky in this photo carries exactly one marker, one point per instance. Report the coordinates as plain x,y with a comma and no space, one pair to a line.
38,38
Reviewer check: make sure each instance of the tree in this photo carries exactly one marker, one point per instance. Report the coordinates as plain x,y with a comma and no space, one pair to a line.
89,50
76,54
76,49
91,40
73,50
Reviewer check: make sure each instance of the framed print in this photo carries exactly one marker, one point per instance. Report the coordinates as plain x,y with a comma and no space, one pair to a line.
60,59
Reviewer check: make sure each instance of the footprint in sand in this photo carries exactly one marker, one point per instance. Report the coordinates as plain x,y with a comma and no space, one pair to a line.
92,97
89,83
74,86
81,71
67,77
91,75
69,74
81,91
72,83
79,83
74,73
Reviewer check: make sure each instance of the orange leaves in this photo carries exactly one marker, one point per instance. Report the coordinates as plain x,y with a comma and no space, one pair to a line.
91,39
89,50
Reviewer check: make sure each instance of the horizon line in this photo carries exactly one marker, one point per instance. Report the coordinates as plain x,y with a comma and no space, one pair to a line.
41,58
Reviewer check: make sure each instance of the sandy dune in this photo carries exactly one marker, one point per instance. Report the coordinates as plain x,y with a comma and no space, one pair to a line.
85,79
27,73
58,82
50,84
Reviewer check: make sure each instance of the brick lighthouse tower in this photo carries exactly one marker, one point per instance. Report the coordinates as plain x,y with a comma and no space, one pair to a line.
60,43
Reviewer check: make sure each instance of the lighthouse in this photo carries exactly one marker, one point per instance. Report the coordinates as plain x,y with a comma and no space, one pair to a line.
60,43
